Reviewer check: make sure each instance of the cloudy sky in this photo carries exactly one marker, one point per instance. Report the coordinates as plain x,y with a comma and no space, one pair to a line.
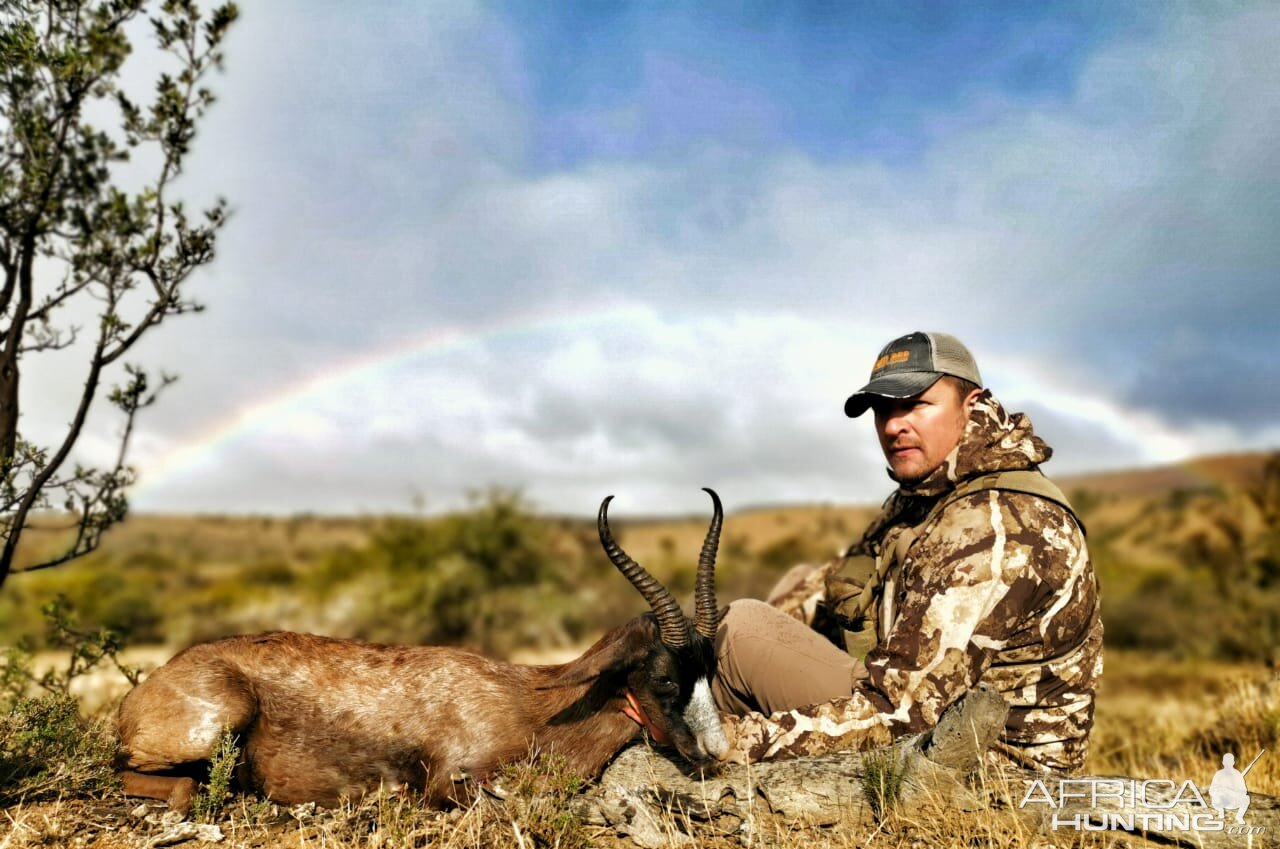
591,248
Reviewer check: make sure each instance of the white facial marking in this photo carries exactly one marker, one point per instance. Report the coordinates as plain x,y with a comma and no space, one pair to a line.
704,720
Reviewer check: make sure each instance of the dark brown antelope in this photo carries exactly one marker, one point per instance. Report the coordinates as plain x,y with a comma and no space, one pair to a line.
323,719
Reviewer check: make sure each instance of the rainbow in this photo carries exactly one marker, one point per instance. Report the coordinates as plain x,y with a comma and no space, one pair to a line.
174,462
1015,379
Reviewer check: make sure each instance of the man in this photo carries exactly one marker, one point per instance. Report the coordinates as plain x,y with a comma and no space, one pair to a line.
976,570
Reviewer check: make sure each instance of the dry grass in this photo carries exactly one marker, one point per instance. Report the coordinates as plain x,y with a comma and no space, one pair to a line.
384,823
1175,719
1156,719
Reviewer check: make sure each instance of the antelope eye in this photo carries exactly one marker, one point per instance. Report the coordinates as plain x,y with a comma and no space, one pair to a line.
662,682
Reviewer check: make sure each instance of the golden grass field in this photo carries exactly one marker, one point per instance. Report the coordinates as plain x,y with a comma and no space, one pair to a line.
1154,719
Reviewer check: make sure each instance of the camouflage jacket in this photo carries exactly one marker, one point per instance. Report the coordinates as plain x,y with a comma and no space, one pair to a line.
997,587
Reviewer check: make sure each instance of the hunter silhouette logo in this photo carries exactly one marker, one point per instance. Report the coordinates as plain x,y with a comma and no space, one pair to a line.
1227,790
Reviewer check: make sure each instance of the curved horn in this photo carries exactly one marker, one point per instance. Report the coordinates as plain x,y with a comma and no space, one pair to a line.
705,592
674,627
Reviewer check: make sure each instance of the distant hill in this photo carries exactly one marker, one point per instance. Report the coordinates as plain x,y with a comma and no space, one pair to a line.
1188,557
1196,474
212,543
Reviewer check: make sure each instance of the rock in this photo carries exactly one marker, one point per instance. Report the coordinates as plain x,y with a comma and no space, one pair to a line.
965,732
647,797
184,831
633,816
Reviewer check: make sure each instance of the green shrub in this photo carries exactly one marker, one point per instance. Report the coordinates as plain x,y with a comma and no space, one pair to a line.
883,773
1180,614
790,550
46,748
491,578
115,599
212,797
273,572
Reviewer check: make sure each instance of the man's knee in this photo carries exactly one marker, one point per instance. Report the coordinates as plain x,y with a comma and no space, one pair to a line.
769,661
749,626
729,687
744,616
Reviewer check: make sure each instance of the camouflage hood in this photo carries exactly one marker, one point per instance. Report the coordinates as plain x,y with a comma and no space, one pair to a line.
994,440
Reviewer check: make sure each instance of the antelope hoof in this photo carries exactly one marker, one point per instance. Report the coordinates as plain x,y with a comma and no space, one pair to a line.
180,798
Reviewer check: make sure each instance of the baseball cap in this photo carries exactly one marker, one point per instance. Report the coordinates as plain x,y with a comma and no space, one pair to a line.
911,364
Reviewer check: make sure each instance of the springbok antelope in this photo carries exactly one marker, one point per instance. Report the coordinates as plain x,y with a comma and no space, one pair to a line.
323,719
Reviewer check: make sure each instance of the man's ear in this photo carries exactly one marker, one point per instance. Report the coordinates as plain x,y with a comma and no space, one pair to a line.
971,399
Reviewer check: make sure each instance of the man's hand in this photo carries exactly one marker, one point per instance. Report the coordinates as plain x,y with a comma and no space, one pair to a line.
746,734
732,732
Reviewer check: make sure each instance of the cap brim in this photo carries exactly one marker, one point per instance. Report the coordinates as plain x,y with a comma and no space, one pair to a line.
901,384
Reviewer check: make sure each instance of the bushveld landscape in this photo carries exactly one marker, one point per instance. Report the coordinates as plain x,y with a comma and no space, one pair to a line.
499,241
1188,558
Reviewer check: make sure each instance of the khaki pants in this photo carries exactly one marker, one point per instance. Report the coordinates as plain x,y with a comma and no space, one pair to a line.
767,661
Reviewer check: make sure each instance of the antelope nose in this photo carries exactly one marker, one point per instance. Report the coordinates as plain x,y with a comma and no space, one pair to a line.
703,720
714,742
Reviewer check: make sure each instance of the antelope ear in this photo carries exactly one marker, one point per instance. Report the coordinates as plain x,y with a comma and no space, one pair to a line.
614,654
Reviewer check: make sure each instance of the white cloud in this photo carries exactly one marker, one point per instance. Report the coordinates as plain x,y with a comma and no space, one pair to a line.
637,404
381,193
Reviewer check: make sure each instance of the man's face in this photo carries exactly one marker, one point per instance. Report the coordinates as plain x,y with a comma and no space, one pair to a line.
917,433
